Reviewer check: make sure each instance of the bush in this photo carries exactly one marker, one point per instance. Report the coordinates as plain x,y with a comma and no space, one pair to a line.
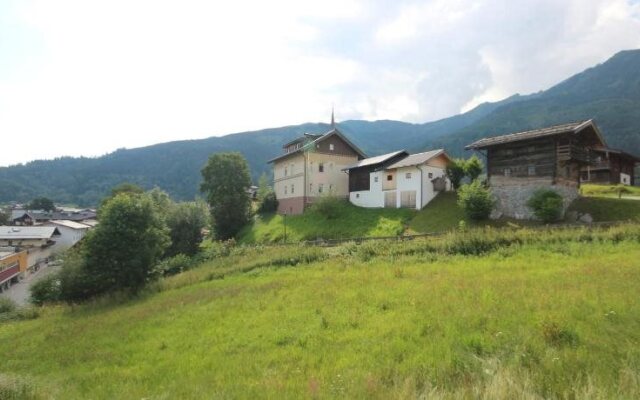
174,265
455,171
268,203
6,305
46,290
476,200
328,206
546,205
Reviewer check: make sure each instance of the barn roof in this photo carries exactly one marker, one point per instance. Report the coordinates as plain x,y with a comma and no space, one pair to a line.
28,232
417,159
375,160
574,127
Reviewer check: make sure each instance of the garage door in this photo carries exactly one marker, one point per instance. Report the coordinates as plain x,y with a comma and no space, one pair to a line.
408,199
390,199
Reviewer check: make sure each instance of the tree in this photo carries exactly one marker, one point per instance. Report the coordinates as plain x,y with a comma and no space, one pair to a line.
121,252
476,200
473,167
267,201
125,188
4,217
455,171
41,203
225,180
185,222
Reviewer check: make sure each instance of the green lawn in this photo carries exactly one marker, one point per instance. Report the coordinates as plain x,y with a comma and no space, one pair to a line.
532,315
608,191
607,209
350,222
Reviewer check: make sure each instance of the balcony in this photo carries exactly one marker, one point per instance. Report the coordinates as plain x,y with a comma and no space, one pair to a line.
571,152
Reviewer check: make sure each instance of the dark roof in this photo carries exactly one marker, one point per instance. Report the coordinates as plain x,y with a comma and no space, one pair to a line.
320,138
375,160
417,159
311,136
616,151
573,127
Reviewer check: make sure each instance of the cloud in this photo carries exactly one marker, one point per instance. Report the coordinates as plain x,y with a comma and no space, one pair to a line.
86,77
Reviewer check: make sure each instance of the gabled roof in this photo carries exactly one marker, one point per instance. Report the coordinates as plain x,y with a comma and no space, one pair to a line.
69,224
418,158
28,232
574,128
332,132
375,160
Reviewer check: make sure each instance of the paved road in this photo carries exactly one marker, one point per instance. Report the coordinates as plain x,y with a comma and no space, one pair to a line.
19,292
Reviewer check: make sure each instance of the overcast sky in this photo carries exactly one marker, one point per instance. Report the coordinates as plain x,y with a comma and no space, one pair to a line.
82,77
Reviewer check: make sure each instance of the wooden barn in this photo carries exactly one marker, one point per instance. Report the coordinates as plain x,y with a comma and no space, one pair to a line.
555,157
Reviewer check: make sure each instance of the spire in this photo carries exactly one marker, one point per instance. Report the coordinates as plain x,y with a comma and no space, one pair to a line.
333,121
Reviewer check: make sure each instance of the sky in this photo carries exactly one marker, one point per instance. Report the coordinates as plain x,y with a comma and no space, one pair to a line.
83,77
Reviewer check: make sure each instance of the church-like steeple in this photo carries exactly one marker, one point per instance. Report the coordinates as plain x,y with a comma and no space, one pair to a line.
333,121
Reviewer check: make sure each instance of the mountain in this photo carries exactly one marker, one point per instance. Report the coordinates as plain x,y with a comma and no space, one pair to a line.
608,93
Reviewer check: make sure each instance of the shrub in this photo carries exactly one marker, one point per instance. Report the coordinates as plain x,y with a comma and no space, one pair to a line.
174,265
455,171
476,200
46,290
473,167
328,206
6,305
268,203
546,205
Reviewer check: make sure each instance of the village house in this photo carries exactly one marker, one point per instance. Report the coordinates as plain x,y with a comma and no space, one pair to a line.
37,241
610,167
398,180
13,266
71,232
554,158
310,167
22,217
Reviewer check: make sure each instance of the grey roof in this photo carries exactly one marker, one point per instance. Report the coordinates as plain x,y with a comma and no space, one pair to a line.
69,224
320,138
374,160
28,232
573,127
417,159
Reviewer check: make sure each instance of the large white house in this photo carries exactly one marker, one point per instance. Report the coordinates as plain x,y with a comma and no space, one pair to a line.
398,180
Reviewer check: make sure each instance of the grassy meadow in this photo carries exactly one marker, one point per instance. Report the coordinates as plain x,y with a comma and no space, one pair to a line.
496,314
350,221
594,190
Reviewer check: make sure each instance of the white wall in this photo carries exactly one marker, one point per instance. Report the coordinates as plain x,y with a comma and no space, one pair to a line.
428,193
372,198
68,237
408,184
625,178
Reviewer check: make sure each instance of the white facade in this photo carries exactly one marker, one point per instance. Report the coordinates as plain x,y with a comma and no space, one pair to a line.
409,186
70,233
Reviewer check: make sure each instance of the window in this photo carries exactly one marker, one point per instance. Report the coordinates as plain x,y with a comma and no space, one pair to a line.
357,195
330,187
507,172
375,179
389,177
311,188
320,187
286,171
430,175
285,189
320,167
407,175
531,170
292,188
292,169
331,146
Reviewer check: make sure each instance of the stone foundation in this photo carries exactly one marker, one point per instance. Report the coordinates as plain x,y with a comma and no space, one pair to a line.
512,195
291,205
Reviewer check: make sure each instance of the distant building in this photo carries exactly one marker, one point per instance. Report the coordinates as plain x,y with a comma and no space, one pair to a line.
13,266
398,180
37,241
71,232
21,217
610,167
312,166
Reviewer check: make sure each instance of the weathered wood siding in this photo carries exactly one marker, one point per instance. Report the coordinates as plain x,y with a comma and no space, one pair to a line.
518,157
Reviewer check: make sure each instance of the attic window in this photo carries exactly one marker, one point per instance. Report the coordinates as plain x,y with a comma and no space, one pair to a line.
407,175
389,177
430,175
375,179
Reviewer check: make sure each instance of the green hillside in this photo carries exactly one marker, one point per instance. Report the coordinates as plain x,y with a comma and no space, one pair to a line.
608,93
525,314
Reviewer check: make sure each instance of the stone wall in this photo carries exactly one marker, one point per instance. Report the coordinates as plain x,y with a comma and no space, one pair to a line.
512,195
